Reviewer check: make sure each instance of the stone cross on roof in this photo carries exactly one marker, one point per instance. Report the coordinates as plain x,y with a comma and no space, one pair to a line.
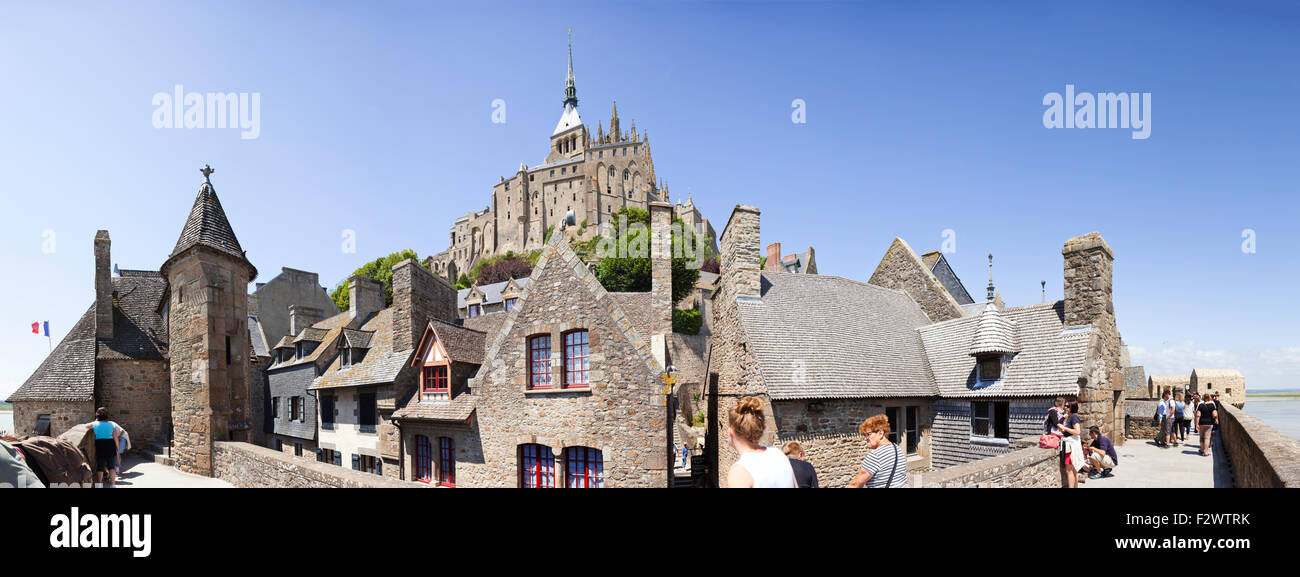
207,173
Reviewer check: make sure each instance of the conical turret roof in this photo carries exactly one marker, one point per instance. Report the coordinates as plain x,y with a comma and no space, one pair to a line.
995,335
208,226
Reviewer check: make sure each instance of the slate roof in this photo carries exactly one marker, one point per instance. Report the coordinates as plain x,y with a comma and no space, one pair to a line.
489,323
456,410
462,345
1178,381
972,309
491,292
829,337
312,334
1049,362
68,373
286,342
138,330
380,365
258,337
207,225
357,339
333,327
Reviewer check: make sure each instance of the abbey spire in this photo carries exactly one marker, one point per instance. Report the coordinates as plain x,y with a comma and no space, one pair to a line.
570,117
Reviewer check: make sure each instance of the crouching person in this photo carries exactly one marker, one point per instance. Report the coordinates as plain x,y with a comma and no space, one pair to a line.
1101,455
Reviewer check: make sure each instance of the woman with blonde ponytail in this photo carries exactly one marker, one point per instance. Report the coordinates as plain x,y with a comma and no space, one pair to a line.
758,466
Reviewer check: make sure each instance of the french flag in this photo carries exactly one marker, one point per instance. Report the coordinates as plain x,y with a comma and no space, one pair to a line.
36,328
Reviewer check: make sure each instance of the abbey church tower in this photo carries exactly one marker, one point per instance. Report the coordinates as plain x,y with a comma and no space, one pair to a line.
207,322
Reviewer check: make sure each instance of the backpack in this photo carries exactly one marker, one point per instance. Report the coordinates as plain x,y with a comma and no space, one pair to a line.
55,460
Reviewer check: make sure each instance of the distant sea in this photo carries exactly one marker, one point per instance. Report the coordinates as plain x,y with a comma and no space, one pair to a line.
1282,413
7,421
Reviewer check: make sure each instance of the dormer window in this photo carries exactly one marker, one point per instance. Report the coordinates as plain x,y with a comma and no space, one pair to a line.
990,367
510,303
475,310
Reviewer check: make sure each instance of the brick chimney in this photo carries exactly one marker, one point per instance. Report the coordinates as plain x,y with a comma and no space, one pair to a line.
739,262
301,317
661,268
773,257
366,297
418,295
103,286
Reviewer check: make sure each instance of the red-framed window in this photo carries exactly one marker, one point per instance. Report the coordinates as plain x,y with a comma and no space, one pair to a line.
423,460
536,467
446,462
585,468
433,384
576,366
539,362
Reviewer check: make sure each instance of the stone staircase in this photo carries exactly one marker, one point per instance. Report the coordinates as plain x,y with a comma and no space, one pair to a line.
156,452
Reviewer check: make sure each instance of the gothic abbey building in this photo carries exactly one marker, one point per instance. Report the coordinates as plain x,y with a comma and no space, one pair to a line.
593,174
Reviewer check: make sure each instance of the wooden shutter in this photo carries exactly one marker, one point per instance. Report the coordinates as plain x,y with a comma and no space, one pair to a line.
338,458
356,462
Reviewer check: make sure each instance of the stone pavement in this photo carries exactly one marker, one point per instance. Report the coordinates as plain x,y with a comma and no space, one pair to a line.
141,472
1144,465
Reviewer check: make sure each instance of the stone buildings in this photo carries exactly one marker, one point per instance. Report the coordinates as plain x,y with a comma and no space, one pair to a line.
167,352
1228,383
958,382
594,174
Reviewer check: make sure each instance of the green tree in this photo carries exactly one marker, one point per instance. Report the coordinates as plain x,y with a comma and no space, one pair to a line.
380,269
633,274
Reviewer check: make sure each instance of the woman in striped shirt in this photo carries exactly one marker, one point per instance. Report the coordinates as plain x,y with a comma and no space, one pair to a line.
886,465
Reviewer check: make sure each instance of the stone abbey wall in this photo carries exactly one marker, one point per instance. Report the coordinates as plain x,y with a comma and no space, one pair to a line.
137,395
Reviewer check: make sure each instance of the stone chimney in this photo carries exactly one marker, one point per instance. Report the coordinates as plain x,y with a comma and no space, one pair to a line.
366,297
773,257
739,262
418,295
661,268
103,286
1089,263
301,317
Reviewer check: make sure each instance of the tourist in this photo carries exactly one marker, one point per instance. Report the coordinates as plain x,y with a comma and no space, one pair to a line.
123,444
106,443
1166,412
1189,414
1180,407
1054,416
886,465
1071,448
759,466
1101,455
1207,415
804,473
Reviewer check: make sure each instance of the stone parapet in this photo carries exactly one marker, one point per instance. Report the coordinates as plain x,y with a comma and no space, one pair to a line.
1027,467
245,465
1261,455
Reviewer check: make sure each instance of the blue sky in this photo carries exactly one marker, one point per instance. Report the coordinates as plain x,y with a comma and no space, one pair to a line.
921,117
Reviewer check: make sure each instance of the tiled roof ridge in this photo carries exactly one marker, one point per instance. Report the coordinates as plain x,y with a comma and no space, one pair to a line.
461,327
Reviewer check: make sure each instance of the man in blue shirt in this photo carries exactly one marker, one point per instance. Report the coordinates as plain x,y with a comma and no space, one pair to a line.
1101,455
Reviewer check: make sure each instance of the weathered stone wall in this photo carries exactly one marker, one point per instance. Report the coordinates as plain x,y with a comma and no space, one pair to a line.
730,358
209,349
258,398
1026,466
661,269
1139,420
63,415
622,413
245,465
1089,265
828,431
1261,455
902,269
137,395
952,440
418,295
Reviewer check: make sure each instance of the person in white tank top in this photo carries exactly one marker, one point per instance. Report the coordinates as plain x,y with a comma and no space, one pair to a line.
759,466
